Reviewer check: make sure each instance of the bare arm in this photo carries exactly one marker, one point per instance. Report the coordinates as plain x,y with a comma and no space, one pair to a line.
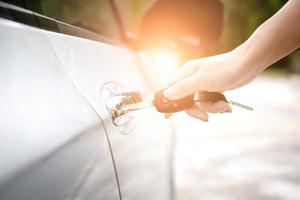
274,39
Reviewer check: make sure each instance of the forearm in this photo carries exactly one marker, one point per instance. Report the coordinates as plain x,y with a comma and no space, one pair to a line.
274,39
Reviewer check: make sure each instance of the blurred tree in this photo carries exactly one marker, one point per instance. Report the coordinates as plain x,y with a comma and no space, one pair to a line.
243,17
241,20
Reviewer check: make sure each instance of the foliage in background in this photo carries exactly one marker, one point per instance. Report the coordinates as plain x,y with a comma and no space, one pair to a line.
243,17
241,20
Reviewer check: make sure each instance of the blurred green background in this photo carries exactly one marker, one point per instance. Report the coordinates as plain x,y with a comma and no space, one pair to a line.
241,18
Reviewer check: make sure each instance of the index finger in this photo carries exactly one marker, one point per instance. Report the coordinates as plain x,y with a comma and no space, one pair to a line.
182,89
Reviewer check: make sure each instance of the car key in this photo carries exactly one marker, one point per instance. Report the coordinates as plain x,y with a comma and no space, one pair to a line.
216,96
164,105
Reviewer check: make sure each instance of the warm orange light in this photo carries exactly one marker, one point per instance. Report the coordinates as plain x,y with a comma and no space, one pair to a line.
165,60
159,65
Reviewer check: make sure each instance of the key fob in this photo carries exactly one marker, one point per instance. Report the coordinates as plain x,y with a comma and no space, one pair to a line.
211,97
164,105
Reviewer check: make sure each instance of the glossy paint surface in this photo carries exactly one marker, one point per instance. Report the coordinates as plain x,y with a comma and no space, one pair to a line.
55,130
51,140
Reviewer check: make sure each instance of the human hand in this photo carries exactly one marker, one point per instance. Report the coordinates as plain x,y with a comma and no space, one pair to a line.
214,74
240,66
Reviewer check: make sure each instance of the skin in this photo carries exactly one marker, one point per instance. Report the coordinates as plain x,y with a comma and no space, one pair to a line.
273,40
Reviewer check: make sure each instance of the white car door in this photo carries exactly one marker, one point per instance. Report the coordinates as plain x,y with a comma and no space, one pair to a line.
51,140
58,137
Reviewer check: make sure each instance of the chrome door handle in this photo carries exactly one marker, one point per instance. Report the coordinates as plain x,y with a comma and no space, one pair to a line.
115,96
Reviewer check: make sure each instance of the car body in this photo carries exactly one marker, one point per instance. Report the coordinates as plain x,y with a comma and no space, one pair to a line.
58,140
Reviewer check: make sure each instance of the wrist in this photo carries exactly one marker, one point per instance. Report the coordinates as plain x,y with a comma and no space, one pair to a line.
247,61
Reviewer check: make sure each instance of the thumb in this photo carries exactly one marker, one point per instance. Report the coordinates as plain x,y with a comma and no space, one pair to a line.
182,88
187,70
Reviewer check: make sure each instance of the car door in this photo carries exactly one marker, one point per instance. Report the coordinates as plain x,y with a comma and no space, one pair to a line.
132,166
142,154
52,143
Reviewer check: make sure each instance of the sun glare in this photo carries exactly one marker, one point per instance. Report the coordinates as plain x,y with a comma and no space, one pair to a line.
159,65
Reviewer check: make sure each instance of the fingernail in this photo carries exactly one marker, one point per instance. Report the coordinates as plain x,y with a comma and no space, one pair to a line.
225,110
205,119
222,107
168,115
169,93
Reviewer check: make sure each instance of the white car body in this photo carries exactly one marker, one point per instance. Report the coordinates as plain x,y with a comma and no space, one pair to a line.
57,139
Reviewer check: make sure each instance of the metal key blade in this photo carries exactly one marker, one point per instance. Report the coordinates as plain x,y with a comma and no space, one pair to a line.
235,104
240,105
137,106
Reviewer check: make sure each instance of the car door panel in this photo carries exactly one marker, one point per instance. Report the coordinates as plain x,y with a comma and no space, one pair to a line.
143,156
53,145
141,159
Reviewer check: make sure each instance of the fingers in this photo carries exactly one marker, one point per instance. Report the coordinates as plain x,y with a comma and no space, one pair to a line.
217,107
182,88
168,115
195,112
213,102
185,71
199,110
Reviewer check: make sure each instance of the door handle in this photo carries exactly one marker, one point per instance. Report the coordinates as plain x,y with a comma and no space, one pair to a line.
115,96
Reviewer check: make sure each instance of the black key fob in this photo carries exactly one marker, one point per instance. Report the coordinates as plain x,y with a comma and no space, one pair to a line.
164,105
212,97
